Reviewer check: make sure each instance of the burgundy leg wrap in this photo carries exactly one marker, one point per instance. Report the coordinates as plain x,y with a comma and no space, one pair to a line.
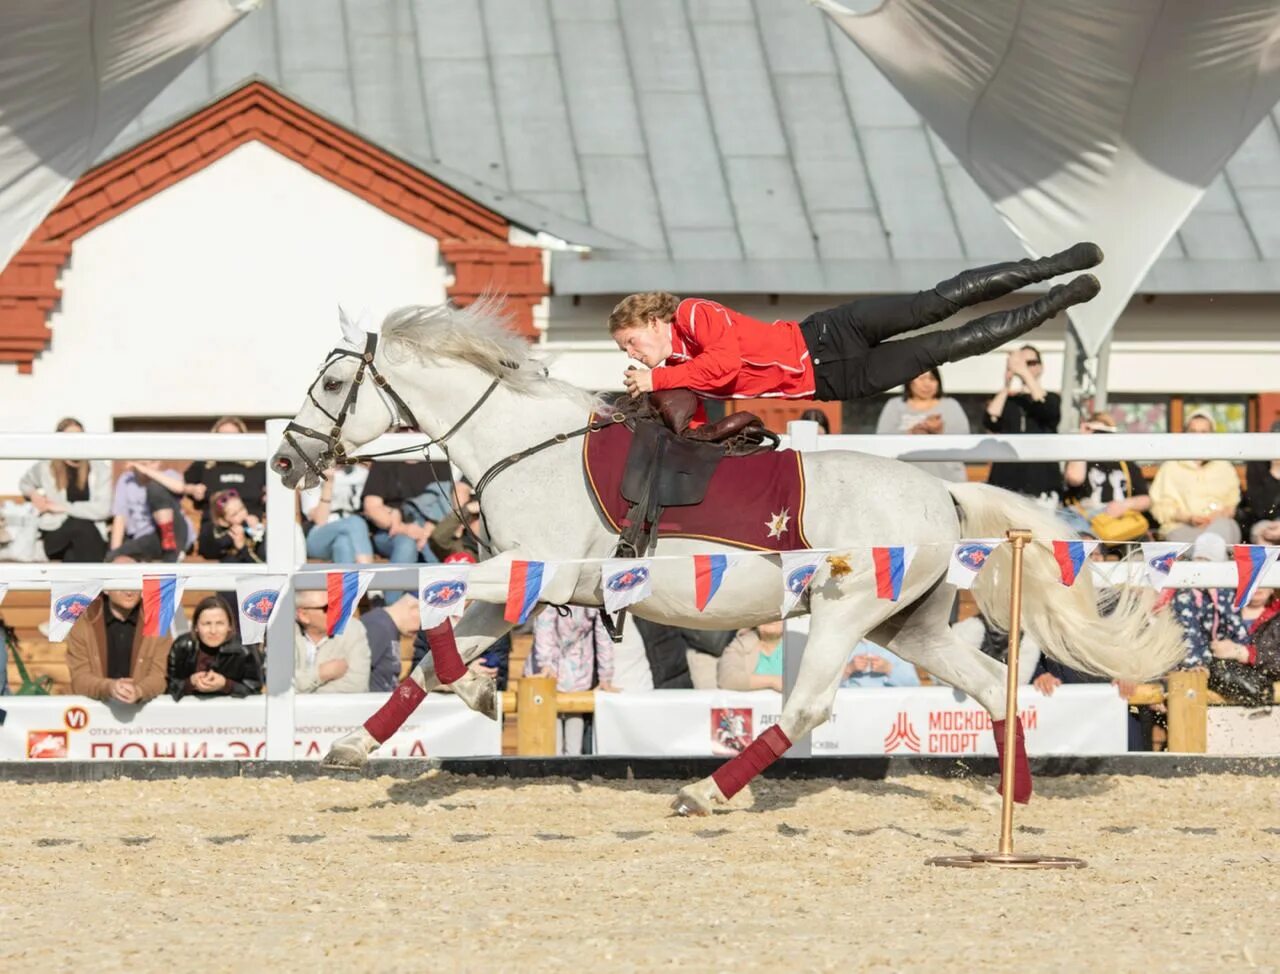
403,701
732,776
444,653
1021,767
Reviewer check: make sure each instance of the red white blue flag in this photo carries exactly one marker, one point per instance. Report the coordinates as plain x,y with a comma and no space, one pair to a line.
1071,557
1252,561
441,591
525,585
256,598
344,590
891,568
798,569
1158,558
68,601
968,558
161,596
625,581
708,576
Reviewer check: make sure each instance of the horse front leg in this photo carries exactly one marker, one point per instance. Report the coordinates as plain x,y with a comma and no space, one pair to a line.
445,664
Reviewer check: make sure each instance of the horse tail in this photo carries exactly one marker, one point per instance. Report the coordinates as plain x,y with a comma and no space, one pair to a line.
1116,634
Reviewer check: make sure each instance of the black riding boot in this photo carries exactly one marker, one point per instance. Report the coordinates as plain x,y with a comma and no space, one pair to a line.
989,332
996,280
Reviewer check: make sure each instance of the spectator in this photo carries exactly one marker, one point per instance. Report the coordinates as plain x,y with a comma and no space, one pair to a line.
450,537
229,533
148,523
680,659
924,410
819,417
1244,667
248,478
1023,406
1206,614
72,498
383,628
108,656
1106,498
1260,512
982,635
1189,497
870,665
334,529
210,661
323,663
403,502
575,650
492,663
753,660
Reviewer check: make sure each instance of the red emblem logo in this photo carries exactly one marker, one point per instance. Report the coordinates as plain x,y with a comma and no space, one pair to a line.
76,718
902,734
46,744
730,730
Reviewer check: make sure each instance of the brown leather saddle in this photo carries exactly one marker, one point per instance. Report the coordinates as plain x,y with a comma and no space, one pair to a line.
670,465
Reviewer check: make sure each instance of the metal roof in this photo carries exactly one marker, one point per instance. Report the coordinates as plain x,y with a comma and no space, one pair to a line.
720,145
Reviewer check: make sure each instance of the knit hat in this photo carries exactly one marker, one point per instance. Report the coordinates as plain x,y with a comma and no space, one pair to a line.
1209,547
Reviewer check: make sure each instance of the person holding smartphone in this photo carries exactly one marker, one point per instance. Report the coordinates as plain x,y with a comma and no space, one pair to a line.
1023,405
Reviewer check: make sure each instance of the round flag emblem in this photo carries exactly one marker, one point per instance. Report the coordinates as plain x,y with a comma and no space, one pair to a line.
444,593
257,607
1164,563
800,578
627,579
69,608
973,556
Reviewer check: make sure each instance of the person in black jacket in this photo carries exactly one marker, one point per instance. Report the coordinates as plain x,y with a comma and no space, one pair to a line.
1023,406
210,661
1259,515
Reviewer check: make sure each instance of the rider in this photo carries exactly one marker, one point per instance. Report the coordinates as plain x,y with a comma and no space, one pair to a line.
843,352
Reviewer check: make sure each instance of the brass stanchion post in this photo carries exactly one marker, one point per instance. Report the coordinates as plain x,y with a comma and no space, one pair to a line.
1018,538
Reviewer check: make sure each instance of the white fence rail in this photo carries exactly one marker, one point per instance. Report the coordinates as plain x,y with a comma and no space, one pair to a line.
281,528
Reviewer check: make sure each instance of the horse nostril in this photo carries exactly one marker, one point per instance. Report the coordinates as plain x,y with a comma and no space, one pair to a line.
282,464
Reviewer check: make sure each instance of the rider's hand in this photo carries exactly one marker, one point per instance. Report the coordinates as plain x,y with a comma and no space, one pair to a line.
638,381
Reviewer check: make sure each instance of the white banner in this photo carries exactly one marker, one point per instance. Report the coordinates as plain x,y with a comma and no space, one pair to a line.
81,729
1077,719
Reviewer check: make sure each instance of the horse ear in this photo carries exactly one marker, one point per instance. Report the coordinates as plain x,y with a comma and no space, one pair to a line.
352,333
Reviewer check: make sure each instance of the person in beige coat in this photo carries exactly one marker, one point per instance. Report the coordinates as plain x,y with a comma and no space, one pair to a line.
323,663
108,656
1190,497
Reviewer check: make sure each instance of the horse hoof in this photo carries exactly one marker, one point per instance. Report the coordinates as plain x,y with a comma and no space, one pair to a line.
479,693
689,801
348,753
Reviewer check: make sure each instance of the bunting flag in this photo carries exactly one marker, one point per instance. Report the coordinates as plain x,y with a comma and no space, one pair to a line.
798,569
1071,557
891,567
1158,557
441,592
1251,561
968,557
257,597
625,581
708,574
68,601
344,590
525,585
161,596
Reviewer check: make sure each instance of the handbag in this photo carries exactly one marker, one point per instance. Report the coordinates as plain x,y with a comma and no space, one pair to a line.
1129,526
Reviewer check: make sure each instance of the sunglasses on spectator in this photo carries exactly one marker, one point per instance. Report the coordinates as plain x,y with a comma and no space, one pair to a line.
1034,361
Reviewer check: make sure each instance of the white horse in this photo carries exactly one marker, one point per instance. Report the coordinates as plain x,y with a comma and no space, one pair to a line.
464,379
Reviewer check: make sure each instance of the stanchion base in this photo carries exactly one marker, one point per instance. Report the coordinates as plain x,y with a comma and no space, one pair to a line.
1008,861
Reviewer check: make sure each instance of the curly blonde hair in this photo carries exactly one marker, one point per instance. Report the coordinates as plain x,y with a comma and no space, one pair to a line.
635,310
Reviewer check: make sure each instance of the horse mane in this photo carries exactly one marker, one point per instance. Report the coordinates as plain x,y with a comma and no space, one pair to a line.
480,335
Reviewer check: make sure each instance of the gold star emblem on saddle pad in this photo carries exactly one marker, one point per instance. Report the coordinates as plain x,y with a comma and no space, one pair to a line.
777,524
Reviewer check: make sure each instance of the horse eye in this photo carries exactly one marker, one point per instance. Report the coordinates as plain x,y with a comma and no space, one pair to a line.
332,385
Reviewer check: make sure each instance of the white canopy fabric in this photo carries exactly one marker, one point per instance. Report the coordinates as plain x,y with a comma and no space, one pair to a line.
73,74
1099,120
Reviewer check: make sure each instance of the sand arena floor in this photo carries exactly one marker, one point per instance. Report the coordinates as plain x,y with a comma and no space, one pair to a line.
449,873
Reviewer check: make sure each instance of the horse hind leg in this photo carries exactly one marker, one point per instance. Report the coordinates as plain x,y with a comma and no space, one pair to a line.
838,621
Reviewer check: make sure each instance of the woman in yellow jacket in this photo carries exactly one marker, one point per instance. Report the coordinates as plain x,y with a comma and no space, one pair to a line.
1189,497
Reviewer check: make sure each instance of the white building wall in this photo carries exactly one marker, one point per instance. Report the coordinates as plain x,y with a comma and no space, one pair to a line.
218,295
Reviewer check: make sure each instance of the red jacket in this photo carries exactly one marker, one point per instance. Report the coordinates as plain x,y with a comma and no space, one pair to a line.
721,354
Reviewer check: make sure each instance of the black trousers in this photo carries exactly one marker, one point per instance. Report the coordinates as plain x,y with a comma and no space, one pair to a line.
75,540
850,347
146,547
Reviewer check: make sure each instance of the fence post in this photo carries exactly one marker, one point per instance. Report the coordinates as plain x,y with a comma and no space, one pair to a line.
536,716
803,435
281,559
1188,702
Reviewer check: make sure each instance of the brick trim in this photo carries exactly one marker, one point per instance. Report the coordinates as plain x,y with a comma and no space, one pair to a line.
472,237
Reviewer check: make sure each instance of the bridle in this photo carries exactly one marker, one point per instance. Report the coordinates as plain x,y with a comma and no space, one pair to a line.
401,414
